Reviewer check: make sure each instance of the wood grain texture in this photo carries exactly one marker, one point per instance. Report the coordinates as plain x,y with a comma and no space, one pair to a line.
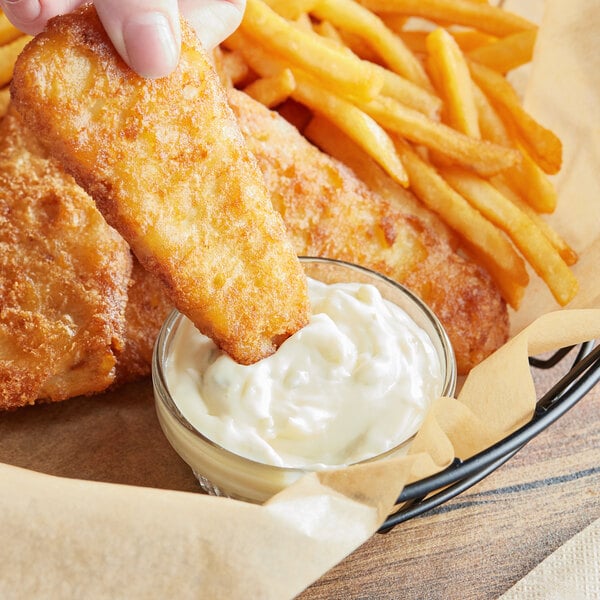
474,547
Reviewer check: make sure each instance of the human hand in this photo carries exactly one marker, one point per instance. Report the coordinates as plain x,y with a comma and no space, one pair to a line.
146,33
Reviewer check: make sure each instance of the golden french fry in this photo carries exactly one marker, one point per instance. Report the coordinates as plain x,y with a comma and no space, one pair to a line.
415,39
307,50
410,94
394,86
532,184
453,81
350,16
8,32
303,22
232,68
497,254
273,90
327,30
291,10
354,122
8,55
483,157
491,126
486,18
506,53
4,100
529,239
395,22
567,253
541,143
470,39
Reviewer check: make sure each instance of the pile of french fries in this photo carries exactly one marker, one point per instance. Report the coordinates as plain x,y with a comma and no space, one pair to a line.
420,87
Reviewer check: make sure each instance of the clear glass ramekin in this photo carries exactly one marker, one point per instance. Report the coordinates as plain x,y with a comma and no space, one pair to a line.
222,472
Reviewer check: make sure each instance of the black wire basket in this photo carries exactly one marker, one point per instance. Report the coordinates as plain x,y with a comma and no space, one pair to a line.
426,494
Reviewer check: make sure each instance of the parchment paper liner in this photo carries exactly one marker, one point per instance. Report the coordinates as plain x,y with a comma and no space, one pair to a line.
69,538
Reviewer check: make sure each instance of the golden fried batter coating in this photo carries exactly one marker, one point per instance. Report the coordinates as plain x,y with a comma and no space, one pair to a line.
329,212
168,167
147,307
63,279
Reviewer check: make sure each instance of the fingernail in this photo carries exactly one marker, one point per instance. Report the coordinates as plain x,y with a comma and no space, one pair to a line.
25,11
150,44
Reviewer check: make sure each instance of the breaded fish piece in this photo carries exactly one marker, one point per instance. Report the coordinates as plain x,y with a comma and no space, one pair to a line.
329,212
148,306
168,168
63,279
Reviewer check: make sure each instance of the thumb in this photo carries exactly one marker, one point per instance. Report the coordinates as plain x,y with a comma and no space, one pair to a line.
146,33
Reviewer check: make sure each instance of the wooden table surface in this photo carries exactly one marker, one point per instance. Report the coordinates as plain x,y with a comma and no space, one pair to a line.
473,547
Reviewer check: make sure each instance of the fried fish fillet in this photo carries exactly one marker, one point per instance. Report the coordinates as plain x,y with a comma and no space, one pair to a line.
330,212
168,168
63,279
148,306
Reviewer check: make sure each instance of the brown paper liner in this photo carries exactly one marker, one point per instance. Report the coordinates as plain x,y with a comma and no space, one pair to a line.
67,538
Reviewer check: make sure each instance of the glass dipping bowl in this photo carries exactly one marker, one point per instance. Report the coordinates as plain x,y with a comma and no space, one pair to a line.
222,472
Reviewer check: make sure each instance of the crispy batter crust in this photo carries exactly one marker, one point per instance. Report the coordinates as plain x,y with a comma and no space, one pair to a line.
147,307
168,168
63,279
329,212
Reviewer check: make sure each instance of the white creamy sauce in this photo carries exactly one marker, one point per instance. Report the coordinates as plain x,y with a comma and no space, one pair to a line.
355,382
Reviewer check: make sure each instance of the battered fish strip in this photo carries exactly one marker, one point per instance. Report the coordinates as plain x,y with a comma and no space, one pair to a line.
169,169
329,212
63,279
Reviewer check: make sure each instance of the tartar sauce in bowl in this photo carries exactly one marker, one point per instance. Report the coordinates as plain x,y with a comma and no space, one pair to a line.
352,385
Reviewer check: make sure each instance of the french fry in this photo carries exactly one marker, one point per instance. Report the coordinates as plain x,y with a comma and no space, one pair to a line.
303,22
233,68
491,126
507,53
492,247
394,86
415,39
529,239
410,94
483,157
354,122
4,100
568,254
291,10
395,22
453,81
350,16
8,32
541,143
327,30
532,184
272,91
8,55
358,125
470,39
486,18
341,71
